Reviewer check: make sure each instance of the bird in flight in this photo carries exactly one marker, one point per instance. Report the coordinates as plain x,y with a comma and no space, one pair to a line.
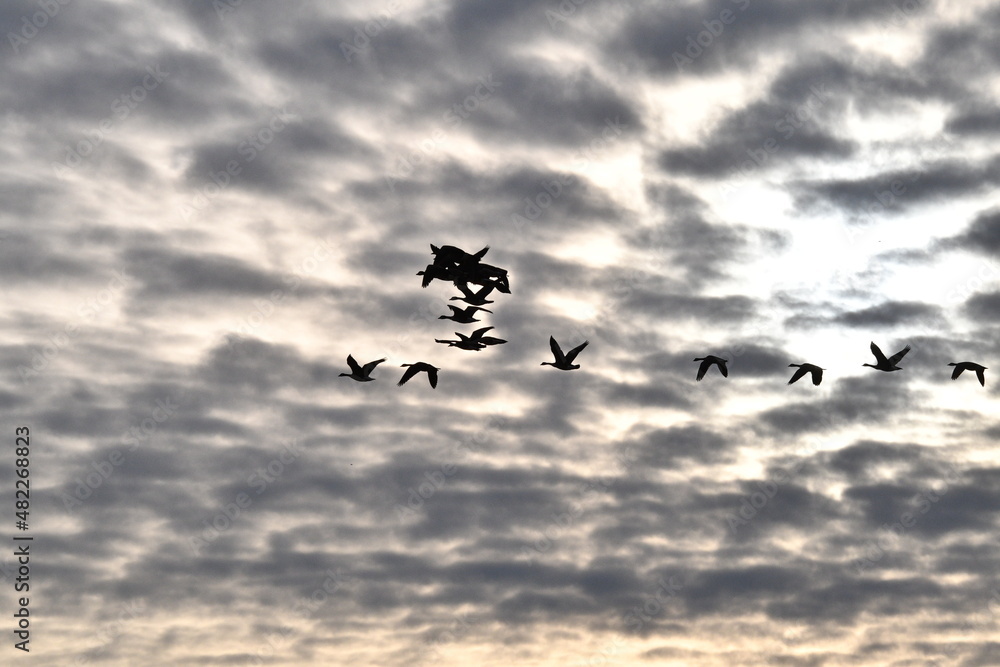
707,361
361,373
476,341
883,364
463,315
432,373
564,362
969,366
817,373
473,298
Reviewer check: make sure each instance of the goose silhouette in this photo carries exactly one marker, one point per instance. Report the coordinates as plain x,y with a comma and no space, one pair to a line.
817,373
463,315
432,373
474,342
361,373
707,361
969,366
564,362
449,254
473,298
883,364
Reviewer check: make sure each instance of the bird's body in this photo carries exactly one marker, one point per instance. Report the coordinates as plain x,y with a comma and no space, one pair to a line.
969,366
883,364
449,254
707,361
432,373
564,362
463,343
817,373
361,373
463,315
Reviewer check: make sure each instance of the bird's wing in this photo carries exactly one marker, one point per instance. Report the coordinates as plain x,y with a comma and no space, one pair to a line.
478,333
817,376
894,359
410,372
455,310
723,369
473,309
982,377
481,253
370,366
432,375
799,372
703,368
355,367
879,357
956,371
556,350
571,355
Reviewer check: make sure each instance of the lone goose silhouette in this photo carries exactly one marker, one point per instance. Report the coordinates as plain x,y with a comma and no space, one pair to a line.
817,373
432,373
474,342
883,364
361,373
564,362
707,361
463,315
969,366
473,298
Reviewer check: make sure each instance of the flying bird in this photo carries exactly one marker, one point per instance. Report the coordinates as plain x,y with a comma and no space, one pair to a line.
463,315
478,337
889,364
449,254
564,362
432,373
361,373
817,373
708,361
473,298
969,366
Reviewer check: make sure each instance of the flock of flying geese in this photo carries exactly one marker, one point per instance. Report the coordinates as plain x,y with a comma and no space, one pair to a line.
455,265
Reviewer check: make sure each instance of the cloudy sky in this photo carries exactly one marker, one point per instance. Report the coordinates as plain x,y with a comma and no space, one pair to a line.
208,205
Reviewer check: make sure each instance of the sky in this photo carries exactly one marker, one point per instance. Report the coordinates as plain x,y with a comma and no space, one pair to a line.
207,206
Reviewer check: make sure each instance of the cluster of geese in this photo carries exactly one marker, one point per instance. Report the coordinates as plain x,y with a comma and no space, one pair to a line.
455,265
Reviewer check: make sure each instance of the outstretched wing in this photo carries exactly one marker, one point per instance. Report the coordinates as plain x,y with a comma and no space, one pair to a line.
956,372
703,368
571,355
799,372
556,350
817,376
879,357
479,255
722,368
478,333
355,367
894,359
370,366
982,377
410,372
432,375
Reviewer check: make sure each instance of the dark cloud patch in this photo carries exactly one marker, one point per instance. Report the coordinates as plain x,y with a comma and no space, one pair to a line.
982,236
669,447
890,314
984,306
